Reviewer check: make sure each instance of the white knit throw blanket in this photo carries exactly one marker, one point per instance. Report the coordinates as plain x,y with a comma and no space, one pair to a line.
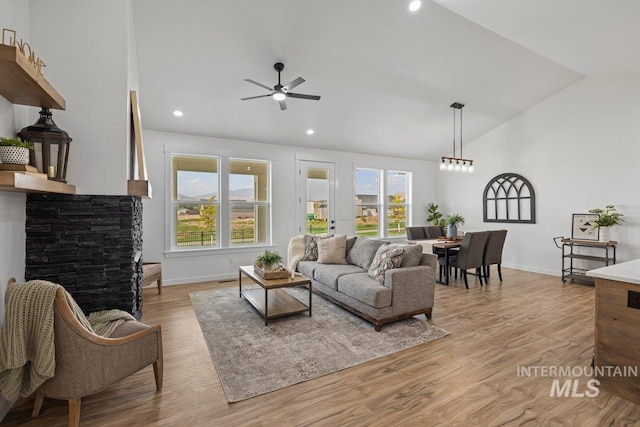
295,252
105,322
27,349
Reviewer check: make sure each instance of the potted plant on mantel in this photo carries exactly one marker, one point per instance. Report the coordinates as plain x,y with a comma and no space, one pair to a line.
452,222
607,218
15,151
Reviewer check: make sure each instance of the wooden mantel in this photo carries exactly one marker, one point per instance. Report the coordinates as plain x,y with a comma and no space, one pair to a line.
22,84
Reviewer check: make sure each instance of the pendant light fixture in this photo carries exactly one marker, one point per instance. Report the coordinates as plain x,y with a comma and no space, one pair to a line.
456,164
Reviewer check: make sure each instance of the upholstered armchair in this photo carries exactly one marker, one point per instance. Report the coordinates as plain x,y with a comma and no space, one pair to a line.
87,363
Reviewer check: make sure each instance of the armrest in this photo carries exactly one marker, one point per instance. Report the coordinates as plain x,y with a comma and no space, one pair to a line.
429,259
412,288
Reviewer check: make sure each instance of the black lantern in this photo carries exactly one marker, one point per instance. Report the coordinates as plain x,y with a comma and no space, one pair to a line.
51,146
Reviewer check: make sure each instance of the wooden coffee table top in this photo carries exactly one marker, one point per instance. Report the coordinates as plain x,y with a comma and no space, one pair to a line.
299,279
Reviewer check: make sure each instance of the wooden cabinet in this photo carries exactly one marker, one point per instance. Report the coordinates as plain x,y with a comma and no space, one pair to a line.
21,83
572,250
617,328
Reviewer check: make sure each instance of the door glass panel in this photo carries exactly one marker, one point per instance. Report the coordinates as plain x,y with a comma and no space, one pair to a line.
367,202
317,205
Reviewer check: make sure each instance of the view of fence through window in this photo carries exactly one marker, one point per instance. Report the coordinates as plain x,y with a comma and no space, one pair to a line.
369,202
197,202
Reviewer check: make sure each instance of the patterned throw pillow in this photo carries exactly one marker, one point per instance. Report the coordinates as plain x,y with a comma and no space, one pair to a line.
387,257
311,247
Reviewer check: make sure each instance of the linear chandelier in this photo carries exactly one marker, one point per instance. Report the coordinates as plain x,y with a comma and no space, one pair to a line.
456,164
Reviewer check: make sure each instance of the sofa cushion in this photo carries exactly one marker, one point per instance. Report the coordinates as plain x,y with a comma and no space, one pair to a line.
311,246
363,288
307,268
332,250
329,274
387,257
363,251
412,255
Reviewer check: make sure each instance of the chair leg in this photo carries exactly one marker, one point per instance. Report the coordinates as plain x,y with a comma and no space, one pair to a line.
464,275
499,272
74,412
37,405
157,373
479,274
160,284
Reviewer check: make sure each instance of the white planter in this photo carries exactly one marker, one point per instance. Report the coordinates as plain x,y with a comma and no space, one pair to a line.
15,155
605,234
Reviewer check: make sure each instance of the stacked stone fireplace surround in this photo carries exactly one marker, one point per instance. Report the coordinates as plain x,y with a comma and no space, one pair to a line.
91,245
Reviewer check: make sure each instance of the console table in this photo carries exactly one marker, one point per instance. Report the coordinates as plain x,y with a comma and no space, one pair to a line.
568,246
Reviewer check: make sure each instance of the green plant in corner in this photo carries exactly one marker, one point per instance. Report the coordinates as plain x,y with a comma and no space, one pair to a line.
607,217
268,260
15,142
435,217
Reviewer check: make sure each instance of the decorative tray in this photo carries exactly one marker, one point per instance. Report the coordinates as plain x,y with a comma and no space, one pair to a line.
277,274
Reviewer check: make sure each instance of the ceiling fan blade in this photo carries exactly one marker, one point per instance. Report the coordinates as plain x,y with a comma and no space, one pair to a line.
283,105
258,84
254,97
293,84
302,96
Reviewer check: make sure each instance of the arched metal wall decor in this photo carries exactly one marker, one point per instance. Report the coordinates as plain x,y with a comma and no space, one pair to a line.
509,197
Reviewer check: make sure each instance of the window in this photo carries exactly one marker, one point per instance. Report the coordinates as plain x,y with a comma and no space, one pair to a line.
397,208
370,184
219,202
249,201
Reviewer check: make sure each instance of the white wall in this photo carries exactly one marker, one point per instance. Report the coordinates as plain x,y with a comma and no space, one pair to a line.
85,44
224,263
14,14
579,149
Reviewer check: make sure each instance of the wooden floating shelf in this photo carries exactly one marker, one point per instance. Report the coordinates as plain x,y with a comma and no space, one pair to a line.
21,183
22,84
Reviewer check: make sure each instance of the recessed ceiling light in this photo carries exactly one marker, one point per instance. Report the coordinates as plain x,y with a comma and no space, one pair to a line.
415,5
178,113
310,131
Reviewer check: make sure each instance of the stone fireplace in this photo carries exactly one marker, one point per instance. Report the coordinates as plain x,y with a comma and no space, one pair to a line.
91,245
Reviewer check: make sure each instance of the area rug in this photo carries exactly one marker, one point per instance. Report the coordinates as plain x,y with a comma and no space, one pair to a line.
253,359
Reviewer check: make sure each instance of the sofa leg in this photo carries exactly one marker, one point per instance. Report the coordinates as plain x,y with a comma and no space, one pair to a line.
378,327
428,314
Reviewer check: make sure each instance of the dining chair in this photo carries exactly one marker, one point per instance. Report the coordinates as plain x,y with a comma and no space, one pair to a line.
493,252
434,231
470,255
416,233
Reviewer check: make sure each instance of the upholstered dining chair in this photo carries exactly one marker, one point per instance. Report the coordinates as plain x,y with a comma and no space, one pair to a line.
470,255
87,363
416,233
434,231
493,252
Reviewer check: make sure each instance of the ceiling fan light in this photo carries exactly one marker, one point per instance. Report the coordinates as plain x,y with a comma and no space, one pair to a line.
279,96
415,5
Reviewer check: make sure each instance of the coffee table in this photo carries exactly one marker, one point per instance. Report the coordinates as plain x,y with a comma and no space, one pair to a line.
271,300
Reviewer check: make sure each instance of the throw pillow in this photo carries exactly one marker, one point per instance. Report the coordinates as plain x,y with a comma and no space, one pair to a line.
363,251
311,246
350,242
387,257
412,255
332,250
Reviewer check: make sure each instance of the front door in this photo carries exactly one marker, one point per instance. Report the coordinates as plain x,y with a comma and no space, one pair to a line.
316,189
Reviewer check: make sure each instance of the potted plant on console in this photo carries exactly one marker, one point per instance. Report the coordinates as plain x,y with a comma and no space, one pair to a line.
452,222
607,218
15,151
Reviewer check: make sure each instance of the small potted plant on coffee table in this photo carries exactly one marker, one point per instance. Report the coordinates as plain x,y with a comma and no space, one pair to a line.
268,265
15,151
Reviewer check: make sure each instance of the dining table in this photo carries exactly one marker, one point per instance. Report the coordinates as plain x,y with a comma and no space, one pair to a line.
448,246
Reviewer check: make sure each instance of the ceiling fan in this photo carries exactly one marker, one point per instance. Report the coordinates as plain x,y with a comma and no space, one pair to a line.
279,92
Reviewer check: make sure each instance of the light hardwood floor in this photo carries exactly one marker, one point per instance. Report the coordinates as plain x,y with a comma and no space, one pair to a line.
467,378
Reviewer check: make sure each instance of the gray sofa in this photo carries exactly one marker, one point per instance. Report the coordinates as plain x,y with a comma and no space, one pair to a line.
407,290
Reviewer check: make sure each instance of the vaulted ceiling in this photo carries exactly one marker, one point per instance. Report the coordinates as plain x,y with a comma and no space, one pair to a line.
386,76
